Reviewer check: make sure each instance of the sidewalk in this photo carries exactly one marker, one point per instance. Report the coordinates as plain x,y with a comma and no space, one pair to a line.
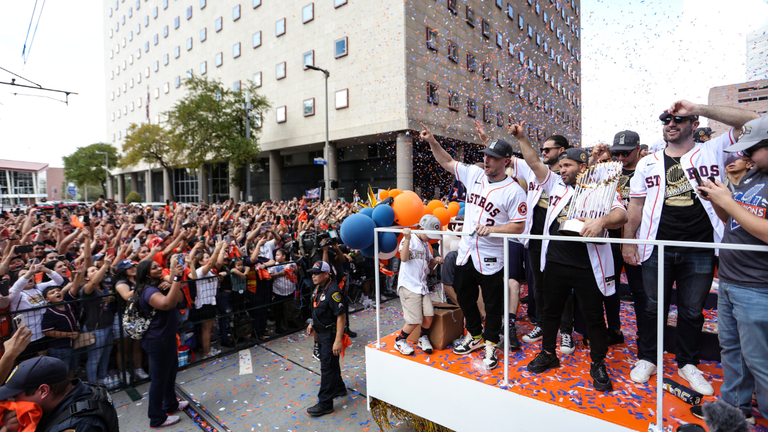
281,384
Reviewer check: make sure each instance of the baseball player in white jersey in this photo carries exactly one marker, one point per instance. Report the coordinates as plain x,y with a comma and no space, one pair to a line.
665,206
584,268
495,204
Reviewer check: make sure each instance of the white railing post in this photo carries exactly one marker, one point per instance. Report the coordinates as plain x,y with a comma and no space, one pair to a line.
661,321
376,272
506,312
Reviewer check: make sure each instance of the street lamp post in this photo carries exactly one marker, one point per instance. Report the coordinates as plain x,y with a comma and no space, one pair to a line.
106,169
326,152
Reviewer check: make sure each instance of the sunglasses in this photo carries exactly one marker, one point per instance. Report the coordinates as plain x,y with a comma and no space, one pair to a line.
750,151
676,119
545,150
624,153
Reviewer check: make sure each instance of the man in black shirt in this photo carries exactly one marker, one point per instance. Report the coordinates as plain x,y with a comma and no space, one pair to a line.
328,318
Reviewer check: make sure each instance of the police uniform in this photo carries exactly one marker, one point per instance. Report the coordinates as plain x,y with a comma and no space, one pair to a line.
94,411
328,303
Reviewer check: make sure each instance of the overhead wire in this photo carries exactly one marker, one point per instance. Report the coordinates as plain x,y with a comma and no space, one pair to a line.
34,33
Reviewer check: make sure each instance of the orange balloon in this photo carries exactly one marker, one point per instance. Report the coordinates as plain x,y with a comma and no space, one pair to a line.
395,192
435,204
383,194
453,209
443,215
408,209
427,210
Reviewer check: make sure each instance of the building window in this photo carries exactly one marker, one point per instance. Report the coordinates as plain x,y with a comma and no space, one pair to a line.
154,12
309,107
340,47
219,23
520,23
176,52
256,3
470,16
280,70
130,36
166,60
471,63
339,3
453,100
452,6
342,99
487,112
453,52
486,71
189,44
236,13
485,27
511,49
219,59
146,21
177,82
500,78
471,107
499,119
538,39
538,8
156,38
432,96
157,92
236,86
530,31
308,13
431,39
176,23
257,39
156,66
203,34
138,29
189,12
166,88
165,4
308,59
499,39
203,3
165,31
510,12
203,68
281,114
545,17
236,50
257,79
280,27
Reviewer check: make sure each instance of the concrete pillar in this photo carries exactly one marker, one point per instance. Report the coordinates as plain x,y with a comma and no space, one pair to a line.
135,182
110,187
333,171
148,186
167,186
234,190
202,185
275,172
404,151
121,188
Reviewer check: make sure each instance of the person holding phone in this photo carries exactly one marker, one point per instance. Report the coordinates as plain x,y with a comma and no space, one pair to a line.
98,315
60,322
26,294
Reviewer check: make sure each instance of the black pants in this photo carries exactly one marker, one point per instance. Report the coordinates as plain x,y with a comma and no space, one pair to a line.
559,281
635,279
261,297
280,302
566,320
466,281
331,382
163,364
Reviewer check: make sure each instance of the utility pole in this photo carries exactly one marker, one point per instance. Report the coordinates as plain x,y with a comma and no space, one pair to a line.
326,153
106,170
248,108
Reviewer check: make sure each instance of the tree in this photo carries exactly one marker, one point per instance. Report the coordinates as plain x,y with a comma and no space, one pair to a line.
86,166
133,197
151,144
210,122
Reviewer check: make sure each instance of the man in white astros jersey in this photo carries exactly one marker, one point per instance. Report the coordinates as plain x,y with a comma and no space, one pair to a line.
495,204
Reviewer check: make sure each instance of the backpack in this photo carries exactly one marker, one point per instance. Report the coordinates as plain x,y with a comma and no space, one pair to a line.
98,404
135,324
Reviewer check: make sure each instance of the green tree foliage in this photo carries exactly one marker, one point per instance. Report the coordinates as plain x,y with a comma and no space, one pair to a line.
210,123
133,197
85,166
151,144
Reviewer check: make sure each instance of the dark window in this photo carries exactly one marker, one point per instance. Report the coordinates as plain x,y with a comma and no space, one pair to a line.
432,96
452,6
486,71
471,107
487,113
471,63
431,39
486,28
470,16
453,52
453,100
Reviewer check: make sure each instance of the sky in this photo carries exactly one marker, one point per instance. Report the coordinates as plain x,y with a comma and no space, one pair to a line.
637,58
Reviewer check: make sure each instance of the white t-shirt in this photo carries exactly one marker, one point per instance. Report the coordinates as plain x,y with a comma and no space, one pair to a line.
206,289
267,250
413,273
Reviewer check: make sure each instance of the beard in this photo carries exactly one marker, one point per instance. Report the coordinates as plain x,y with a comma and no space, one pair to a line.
685,132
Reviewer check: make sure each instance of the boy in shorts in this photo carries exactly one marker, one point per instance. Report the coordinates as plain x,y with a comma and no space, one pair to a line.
417,263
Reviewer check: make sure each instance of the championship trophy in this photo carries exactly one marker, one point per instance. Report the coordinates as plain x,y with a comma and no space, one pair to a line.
593,196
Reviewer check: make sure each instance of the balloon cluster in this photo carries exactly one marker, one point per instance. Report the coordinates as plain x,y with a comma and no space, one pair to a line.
397,209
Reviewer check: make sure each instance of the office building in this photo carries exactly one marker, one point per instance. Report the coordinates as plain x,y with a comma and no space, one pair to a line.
750,95
392,66
29,183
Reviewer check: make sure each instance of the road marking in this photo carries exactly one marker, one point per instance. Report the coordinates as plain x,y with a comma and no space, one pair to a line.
245,362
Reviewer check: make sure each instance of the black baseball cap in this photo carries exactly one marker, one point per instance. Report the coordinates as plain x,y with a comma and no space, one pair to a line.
576,154
700,132
498,148
625,140
33,373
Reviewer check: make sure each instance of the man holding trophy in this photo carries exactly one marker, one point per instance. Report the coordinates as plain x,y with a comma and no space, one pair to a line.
586,203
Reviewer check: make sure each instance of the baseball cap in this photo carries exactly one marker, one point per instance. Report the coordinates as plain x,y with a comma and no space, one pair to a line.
753,132
320,267
98,257
32,374
431,223
666,115
643,146
498,148
576,154
625,140
125,265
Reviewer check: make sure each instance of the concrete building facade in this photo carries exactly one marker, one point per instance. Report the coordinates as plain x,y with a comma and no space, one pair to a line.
392,66
29,183
751,95
757,54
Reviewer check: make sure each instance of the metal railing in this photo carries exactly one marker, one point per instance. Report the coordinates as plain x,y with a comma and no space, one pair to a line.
661,321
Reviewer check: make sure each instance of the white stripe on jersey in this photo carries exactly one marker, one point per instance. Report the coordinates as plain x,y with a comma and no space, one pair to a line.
489,204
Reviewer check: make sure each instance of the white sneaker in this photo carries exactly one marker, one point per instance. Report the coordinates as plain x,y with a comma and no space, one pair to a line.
693,375
170,420
140,374
566,344
535,335
642,371
403,346
425,345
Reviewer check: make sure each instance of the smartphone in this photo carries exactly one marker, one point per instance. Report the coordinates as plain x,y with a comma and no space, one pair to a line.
266,224
34,261
136,244
111,251
332,233
98,231
180,258
87,219
698,180
138,227
19,320
5,286
157,214
24,249
217,237
57,211
226,238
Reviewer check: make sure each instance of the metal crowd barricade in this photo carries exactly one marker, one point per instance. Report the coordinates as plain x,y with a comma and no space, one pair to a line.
660,244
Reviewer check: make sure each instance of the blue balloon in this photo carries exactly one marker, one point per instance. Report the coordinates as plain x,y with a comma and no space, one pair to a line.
461,212
366,211
461,204
357,231
387,242
367,252
383,215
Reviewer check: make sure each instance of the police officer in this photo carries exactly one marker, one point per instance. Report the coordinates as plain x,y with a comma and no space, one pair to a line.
67,405
328,318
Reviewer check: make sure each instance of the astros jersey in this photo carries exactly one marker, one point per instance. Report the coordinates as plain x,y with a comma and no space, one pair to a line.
489,204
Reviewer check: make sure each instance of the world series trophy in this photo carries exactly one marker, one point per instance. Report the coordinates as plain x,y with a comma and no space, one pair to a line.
593,196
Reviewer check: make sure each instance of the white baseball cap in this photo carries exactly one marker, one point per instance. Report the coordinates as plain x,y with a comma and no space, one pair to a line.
431,223
754,131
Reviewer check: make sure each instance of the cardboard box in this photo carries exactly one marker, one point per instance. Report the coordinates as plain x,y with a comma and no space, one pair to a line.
447,326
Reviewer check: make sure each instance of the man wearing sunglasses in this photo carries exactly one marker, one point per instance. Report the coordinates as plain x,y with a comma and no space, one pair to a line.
664,206
743,295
